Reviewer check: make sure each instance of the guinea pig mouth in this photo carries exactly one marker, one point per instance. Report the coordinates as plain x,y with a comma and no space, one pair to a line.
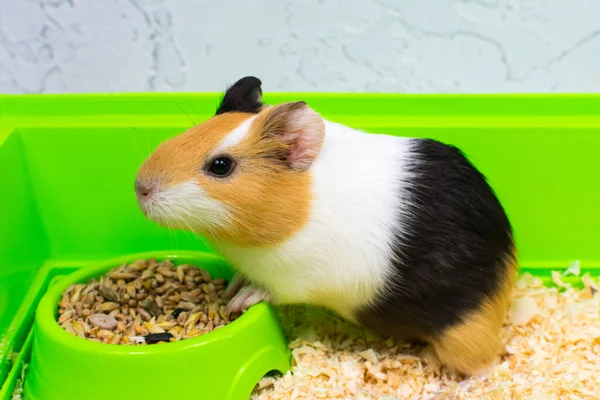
184,206
152,208
147,208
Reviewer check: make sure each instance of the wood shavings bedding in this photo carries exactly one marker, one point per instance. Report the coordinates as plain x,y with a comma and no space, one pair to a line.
552,341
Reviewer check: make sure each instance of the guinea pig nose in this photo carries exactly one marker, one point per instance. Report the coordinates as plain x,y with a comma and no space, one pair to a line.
142,190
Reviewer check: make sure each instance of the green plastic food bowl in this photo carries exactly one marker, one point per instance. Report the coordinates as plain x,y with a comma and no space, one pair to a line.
223,364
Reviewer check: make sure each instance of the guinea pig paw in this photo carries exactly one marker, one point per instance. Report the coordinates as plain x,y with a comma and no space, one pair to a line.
431,359
234,286
246,298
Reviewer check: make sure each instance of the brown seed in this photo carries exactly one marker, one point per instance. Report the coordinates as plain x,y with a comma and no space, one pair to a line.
130,289
213,308
120,326
198,308
181,318
151,264
145,315
140,330
68,326
224,312
108,306
116,339
188,297
203,318
79,329
205,275
155,328
89,298
163,289
136,266
147,274
76,293
167,324
122,275
104,334
219,282
180,273
167,263
175,330
164,271
150,305
192,319
186,305
65,302
103,321
65,316
109,294
195,332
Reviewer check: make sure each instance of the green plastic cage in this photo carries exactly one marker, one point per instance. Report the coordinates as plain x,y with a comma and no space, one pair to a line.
67,165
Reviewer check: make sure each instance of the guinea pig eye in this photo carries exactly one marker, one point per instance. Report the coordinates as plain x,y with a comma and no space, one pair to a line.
221,167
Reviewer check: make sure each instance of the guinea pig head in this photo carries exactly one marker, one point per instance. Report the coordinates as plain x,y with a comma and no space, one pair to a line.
243,176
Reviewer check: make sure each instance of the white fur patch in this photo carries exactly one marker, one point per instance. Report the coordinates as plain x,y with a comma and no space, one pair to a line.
235,136
341,259
186,206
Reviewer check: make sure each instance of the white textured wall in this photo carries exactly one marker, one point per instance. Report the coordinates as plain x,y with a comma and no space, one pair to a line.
300,45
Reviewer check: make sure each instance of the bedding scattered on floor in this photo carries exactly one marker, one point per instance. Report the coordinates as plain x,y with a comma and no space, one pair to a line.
552,343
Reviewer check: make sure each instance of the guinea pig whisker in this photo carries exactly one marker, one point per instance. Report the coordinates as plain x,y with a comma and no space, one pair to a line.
184,113
186,223
182,213
137,147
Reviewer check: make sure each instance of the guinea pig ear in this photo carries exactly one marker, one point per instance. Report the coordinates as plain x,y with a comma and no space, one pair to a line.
243,96
301,130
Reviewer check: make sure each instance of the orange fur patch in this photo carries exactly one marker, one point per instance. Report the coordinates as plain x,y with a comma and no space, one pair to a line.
475,343
182,158
267,201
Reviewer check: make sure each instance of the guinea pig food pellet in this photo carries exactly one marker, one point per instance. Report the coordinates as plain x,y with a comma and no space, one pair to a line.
145,302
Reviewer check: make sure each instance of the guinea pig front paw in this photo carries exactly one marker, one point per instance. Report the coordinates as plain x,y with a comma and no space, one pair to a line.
247,297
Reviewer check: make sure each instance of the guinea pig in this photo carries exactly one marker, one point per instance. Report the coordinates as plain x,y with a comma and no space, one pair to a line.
400,235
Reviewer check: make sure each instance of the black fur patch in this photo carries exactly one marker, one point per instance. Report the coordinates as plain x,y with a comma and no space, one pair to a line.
243,96
454,255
